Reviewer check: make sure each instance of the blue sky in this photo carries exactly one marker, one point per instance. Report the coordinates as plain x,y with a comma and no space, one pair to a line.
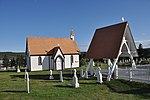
56,18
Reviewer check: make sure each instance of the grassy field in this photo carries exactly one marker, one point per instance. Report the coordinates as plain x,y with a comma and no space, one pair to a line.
12,87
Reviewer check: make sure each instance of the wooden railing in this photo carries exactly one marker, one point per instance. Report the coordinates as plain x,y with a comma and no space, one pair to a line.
134,74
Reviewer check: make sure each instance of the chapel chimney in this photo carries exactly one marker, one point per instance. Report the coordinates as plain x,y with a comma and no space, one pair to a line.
72,35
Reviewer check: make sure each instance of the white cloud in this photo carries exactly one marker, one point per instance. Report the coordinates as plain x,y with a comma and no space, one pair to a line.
145,43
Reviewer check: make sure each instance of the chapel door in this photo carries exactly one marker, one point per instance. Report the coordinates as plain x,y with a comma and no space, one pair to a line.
59,63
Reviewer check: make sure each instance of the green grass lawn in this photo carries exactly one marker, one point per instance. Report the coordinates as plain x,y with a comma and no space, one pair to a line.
12,87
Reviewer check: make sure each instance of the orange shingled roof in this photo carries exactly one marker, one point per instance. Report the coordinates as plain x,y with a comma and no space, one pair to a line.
43,46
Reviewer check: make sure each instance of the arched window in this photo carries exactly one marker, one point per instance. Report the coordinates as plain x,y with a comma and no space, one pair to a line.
40,60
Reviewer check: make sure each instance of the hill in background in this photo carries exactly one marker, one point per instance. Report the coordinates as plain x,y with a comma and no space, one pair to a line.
11,55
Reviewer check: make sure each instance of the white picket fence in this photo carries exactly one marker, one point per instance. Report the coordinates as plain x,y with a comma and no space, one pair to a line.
134,74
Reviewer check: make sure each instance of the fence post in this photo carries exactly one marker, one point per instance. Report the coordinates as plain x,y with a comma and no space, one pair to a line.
27,82
130,74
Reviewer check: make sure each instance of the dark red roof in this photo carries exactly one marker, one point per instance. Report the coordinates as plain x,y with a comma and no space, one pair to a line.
106,41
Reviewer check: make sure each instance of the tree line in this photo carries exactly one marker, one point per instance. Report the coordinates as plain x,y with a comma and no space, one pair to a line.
19,60
143,52
143,56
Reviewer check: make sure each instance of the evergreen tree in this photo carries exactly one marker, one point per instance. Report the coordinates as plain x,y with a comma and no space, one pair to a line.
83,62
20,61
13,62
140,51
6,61
140,46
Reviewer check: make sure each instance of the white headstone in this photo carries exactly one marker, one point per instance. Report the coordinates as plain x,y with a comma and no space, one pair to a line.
109,63
4,68
51,75
75,83
61,76
116,72
18,69
99,76
133,64
93,63
86,74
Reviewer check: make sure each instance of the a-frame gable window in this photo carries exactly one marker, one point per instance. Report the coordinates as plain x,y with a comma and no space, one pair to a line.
39,60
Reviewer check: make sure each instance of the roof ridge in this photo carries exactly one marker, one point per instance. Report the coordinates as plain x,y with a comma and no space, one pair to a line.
113,25
36,37
48,37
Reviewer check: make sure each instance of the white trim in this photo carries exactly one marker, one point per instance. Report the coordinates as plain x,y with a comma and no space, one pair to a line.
116,59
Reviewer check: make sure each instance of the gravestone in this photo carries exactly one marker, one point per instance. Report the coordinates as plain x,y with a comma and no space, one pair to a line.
51,75
18,69
75,83
99,76
86,74
61,76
